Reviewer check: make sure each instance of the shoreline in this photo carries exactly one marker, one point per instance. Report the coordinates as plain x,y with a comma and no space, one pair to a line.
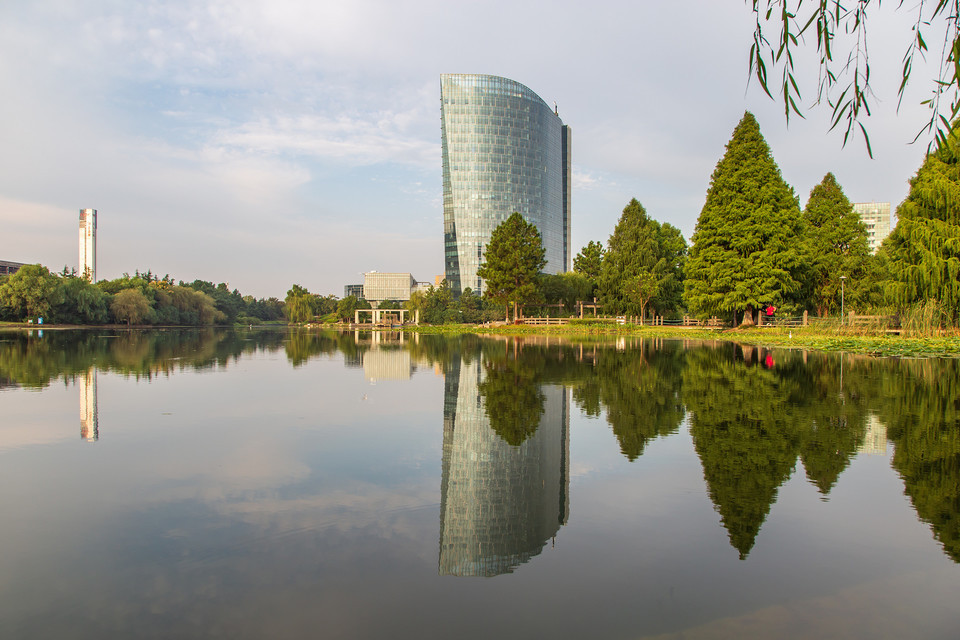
837,340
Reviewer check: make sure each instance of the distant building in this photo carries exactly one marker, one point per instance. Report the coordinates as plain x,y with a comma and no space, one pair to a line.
88,244
355,290
504,151
9,268
379,286
876,216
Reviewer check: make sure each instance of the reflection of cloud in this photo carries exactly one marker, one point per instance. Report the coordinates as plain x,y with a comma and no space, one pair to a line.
28,433
877,607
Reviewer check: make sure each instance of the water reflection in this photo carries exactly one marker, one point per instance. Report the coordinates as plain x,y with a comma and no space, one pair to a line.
752,415
89,427
505,485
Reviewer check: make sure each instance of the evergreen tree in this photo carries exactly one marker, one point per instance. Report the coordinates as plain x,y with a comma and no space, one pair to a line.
745,251
642,252
923,252
589,260
836,245
512,261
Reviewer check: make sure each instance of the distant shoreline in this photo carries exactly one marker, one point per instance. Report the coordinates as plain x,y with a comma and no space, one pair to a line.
947,346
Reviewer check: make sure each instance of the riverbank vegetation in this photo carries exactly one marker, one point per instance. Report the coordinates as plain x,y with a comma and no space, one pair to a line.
34,294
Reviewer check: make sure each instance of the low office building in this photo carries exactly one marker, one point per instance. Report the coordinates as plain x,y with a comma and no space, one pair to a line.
9,268
355,290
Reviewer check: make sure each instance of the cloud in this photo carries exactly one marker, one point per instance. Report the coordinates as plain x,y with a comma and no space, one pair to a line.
357,140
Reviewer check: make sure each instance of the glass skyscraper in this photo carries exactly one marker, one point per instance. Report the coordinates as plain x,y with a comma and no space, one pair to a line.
504,150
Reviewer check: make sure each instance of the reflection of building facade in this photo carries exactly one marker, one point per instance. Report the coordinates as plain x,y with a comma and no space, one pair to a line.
88,244
875,438
387,364
876,217
89,429
504,151
499,504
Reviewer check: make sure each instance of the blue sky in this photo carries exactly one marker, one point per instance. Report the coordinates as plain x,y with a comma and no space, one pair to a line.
266,143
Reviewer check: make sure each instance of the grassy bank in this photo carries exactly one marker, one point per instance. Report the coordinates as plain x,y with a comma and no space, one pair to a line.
835,339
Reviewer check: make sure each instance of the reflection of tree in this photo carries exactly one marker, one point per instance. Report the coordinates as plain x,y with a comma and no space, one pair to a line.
35,361
511,393
745,433
835,419
922,412
302,345
640,389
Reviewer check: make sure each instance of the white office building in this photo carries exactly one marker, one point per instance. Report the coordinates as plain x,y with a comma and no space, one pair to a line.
876,217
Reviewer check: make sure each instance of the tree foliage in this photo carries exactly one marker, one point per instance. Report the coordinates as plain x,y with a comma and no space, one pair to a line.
922,254
130,306
512,261
30,292
589,261
836,245
746,247
646,254
844,82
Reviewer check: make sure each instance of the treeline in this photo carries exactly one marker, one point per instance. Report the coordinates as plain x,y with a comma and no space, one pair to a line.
34,293
754,251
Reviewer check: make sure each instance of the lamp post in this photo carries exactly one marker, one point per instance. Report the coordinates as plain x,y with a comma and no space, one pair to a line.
842,279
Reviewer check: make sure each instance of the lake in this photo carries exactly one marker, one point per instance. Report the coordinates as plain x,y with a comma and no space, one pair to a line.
289,484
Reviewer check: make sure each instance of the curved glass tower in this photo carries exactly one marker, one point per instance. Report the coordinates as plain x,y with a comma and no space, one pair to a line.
504,150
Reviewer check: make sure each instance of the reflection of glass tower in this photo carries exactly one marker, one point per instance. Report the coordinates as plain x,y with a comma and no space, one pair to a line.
504,150
499,504
89,429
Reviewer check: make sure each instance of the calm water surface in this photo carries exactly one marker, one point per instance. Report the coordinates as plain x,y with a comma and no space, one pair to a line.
287,485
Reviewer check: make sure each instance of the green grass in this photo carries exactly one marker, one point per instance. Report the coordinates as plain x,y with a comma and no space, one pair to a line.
825,339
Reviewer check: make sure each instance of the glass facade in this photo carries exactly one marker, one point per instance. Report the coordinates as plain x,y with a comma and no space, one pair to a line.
504,150
876,217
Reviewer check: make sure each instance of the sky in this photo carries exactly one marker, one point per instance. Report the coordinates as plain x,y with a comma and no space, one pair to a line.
264,143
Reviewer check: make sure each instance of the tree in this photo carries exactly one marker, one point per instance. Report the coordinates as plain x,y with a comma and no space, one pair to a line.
922,254
745,250
30,292
299,308
640,288
512,261
589,260
130,306
80,302
643,248
844,84
346,308
836,244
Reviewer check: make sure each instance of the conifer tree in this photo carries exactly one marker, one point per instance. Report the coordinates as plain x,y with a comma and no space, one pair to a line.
642,250
836,245
512,261
745,251
922,254
589,260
